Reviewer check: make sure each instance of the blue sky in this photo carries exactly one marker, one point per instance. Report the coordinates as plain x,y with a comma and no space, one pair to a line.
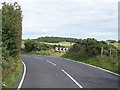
70,18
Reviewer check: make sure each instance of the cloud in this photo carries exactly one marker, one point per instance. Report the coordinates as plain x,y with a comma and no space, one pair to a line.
73,18
101,33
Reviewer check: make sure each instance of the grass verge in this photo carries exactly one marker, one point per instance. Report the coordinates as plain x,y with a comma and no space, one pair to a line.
11,73
46,52
105,62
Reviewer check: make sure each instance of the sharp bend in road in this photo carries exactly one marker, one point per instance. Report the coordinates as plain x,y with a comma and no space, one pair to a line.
53,72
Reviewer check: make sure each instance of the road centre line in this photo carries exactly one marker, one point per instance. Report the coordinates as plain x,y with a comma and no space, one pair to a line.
38,58
72,79
105,70
51,62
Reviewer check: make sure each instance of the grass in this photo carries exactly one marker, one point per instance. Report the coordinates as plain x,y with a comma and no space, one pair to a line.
11,73
66,44
116,45
105,62
46,53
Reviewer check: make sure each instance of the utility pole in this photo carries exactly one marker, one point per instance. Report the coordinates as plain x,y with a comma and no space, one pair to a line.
101,51
110,52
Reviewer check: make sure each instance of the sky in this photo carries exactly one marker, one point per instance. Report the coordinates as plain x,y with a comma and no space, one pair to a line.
69,18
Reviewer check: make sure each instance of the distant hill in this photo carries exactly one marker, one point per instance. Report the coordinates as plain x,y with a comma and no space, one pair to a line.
57,39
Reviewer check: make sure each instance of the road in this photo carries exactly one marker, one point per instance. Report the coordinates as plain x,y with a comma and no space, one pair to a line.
53,72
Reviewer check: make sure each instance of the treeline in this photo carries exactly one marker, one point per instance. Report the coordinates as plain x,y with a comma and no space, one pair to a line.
11,29
11,39
98,53
112,41
34,45
92,47
56,39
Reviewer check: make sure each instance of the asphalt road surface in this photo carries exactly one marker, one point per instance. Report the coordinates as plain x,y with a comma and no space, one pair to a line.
53,72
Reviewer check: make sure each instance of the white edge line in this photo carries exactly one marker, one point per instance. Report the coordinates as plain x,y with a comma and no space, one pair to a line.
51,63
94,67
89,65
72,79
100,68
23,76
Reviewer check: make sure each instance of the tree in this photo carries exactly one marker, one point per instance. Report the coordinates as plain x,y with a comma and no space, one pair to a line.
11,28
31,45
92,47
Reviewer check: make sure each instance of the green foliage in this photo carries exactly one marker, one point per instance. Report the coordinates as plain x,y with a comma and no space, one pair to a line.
105,62
92,47
62,44
89,51
11,41
11,28
11,73
33,45
111,41
56,39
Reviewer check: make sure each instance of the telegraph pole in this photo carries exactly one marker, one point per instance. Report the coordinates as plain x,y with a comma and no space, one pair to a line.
101,51
110,52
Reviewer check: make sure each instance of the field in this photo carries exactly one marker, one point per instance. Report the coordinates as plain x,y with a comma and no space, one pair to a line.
66,44
116,45
106,62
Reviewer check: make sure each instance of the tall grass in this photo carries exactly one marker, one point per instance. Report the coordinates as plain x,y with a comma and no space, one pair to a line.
105,62
11,71
46,53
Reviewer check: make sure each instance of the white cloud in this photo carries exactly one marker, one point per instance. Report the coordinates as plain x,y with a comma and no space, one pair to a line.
69,17
101,33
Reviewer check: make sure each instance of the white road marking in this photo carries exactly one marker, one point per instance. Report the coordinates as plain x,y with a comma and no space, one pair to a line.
94,67
51,63
88,65
100,68
23,77
72,79
38,58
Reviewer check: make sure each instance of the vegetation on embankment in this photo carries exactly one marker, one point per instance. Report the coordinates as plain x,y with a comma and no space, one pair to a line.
11,72
65,44
11,43
43,48
56,39
105,62
46,53
97,53
91,51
